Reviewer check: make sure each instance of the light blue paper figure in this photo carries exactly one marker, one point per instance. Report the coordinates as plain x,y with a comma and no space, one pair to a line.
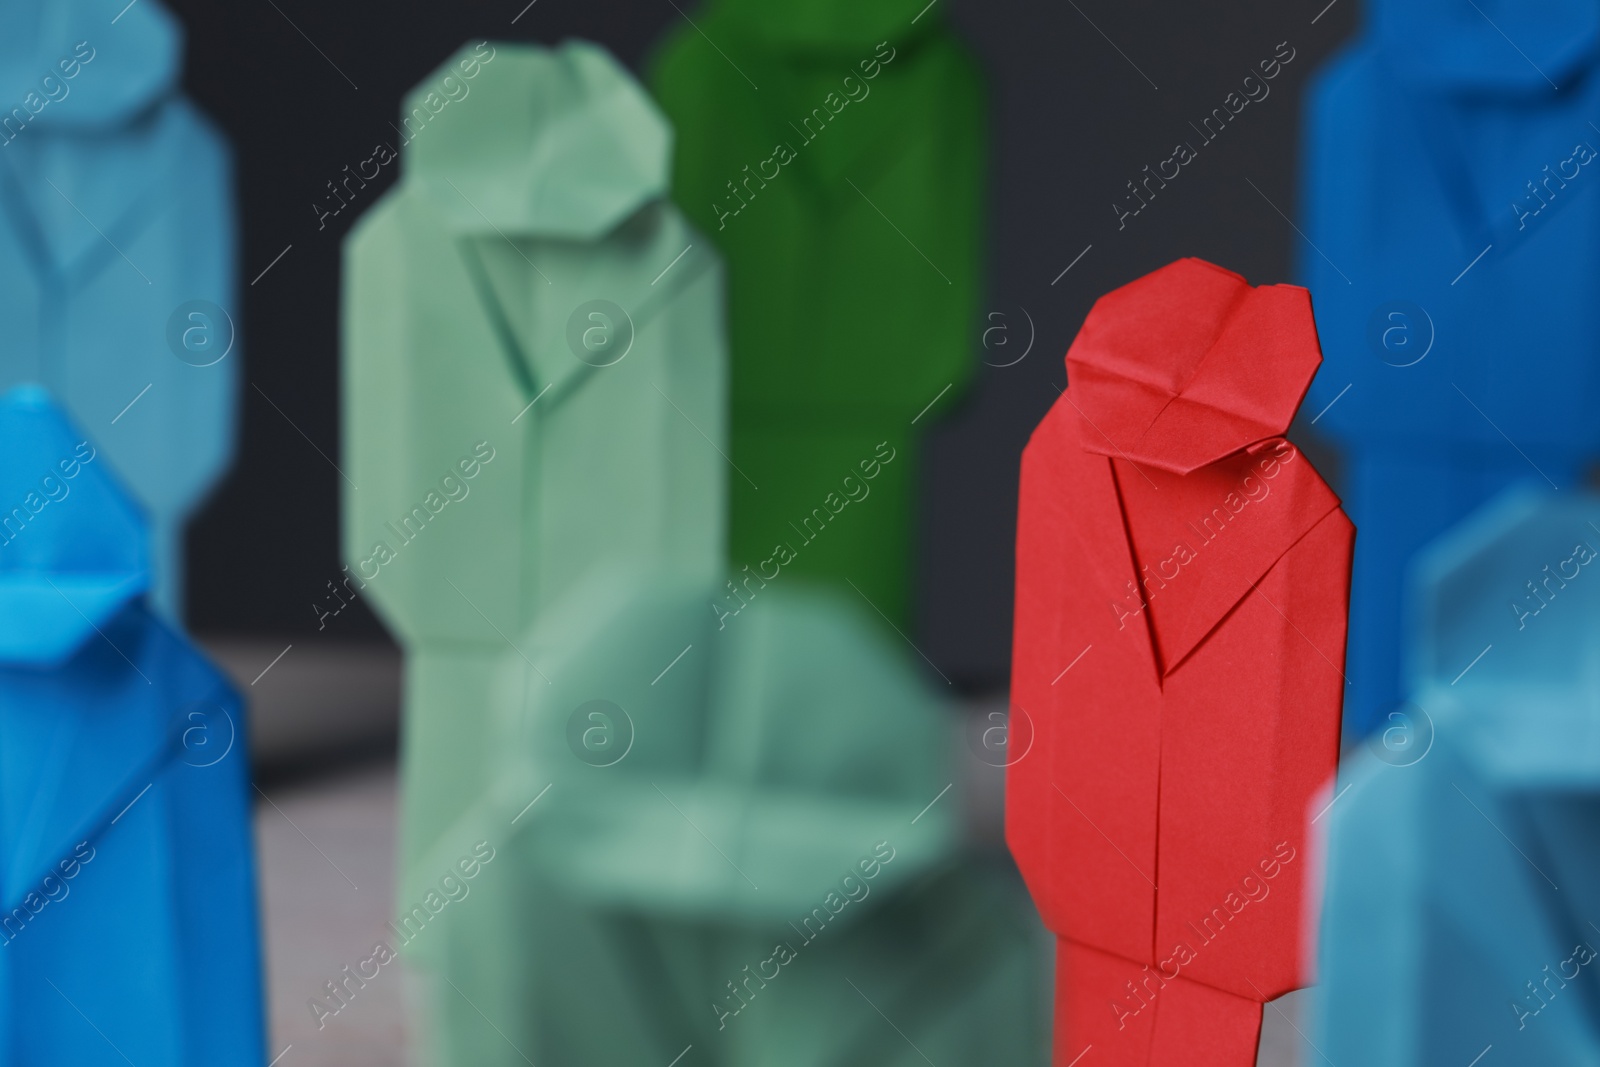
128,929
1451,232
1464,862
117,252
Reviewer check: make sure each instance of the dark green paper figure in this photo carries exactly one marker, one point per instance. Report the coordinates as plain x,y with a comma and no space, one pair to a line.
844,193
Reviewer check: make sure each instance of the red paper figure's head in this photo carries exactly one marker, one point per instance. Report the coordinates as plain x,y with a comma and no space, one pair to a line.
1189,364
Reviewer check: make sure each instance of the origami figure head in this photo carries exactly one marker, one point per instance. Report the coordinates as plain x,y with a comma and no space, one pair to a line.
1190,364
72,547
1462,875
142,65
575,148
116,252
1181,586
123,770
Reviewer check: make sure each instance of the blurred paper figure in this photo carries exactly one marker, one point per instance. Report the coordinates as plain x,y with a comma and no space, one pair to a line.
1450,237
1182,582
527,292
534,383
845,195
726,838
127,881
1463,873
117,252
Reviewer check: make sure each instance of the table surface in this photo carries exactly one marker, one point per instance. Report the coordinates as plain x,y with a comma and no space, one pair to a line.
326,848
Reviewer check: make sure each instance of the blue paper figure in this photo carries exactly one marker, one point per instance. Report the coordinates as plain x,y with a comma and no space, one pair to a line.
1464,874
117,251
126,878
1450,229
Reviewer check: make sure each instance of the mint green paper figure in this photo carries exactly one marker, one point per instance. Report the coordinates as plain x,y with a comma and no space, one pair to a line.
534,385
736,839
833,150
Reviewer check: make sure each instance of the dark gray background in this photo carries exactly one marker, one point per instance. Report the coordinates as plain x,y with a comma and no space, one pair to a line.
1072,120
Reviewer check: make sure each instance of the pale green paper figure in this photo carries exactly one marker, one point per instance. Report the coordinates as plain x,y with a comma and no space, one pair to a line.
724,838
508,425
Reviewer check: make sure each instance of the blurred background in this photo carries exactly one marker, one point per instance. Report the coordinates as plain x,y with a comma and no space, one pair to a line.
1083,96
1081,99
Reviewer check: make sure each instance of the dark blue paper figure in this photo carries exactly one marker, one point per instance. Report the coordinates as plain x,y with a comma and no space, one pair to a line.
1463,889
128,929
117,251
1453,244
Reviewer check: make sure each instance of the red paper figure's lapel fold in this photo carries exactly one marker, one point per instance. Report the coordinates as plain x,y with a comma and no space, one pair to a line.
1174,554
1102,542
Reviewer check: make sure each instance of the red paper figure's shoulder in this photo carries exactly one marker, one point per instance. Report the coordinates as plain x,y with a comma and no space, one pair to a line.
1182,587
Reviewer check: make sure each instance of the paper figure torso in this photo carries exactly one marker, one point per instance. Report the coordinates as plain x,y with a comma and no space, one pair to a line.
117,253
1181,587
841,332
128,883
1451,237
1463,878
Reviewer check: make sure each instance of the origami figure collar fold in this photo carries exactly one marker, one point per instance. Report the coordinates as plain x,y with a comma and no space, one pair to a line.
1209,537
63,251
564,144
60,812
1478,148
134,65
538,349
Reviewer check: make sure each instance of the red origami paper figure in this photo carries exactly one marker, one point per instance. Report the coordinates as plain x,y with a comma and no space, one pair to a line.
1183,578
